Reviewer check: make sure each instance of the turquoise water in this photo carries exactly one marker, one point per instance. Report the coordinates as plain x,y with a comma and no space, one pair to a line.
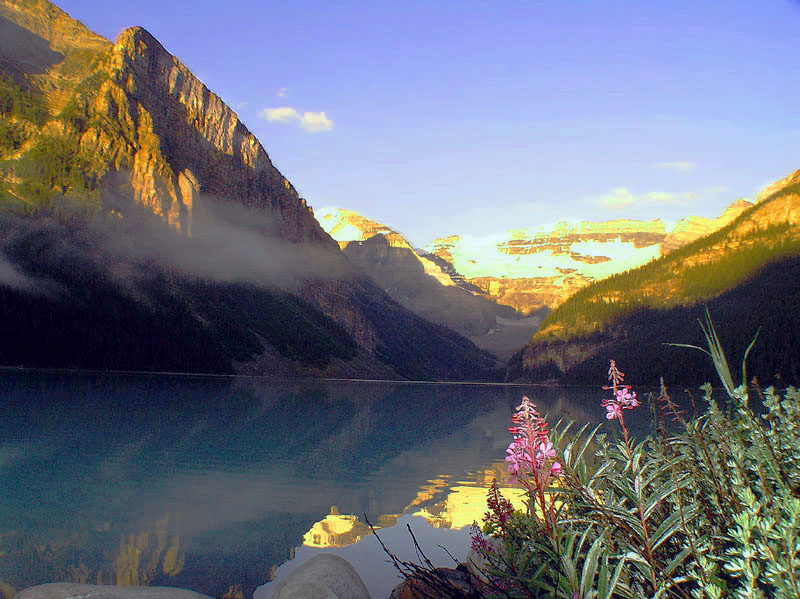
213,483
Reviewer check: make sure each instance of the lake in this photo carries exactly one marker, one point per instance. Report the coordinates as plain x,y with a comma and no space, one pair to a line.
214,483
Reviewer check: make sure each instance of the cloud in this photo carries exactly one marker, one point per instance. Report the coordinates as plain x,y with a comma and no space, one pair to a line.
230,243
280,115
282,92
682,165
313,122
11,276
621,198
665,197
618,198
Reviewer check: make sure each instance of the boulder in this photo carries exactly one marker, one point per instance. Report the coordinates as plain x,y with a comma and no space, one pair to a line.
444,583
325,576
70,590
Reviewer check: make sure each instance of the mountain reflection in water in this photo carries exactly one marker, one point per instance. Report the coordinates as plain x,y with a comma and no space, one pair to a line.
211,483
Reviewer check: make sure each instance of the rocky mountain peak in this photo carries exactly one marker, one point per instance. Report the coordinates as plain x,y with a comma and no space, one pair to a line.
789,181
346,226
208,149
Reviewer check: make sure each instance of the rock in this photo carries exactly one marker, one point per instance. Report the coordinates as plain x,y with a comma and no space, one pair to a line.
450,584
476,564
325,576
69,590
539,266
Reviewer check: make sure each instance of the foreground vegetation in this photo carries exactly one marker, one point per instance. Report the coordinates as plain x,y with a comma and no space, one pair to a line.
708,506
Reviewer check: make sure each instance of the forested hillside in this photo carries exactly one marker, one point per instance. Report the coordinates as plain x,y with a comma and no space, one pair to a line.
746,273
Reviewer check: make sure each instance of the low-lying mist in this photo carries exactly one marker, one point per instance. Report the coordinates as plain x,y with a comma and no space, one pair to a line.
229,243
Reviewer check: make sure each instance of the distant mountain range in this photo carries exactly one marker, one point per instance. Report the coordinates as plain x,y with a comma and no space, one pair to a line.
542,266
144,227
428,285
747,274
496,289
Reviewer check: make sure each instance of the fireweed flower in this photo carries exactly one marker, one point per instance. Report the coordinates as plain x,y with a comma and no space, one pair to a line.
627,398
518,458
615,376
479,542
613,408
545,451
623,398
530,450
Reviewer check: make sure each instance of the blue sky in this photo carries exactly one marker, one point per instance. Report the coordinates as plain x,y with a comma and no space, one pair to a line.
464,117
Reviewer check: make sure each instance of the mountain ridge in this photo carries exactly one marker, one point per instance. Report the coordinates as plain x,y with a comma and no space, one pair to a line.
713,270
425,284
534,267
129,161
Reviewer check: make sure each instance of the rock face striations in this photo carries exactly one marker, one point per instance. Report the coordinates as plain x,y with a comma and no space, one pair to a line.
118,154
180,142
133,109
535,267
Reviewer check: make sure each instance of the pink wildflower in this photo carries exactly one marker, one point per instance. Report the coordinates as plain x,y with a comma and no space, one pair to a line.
479,542
500,508
518,457
627,398
623,399
613,408
530,437
614,375
530,457
545,451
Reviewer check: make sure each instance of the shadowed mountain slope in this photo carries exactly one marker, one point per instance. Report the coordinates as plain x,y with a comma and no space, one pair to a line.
427,285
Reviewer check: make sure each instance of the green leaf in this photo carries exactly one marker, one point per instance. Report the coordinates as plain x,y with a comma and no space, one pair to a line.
590,565
670,526
677,561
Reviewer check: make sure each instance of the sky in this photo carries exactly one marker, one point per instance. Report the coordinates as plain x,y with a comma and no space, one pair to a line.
468,117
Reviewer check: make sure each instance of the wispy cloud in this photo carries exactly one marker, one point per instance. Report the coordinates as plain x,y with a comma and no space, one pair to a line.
282,92
313,122
621,198
681,165
279,115
618,198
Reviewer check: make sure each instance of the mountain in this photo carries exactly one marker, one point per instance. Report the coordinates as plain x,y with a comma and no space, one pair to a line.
496,289
747,274
426,284
543,266
144,227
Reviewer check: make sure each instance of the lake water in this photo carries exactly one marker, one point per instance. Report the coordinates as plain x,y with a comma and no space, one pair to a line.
215,483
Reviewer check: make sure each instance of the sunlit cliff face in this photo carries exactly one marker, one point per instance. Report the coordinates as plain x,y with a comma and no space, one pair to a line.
347,227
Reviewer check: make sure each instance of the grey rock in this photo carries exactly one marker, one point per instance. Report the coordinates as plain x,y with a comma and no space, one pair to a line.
69,590
477,565
324,576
